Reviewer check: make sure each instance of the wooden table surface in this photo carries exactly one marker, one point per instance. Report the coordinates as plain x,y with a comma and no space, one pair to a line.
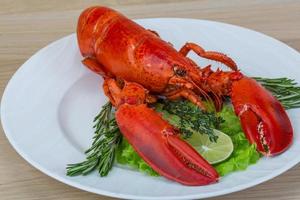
27,26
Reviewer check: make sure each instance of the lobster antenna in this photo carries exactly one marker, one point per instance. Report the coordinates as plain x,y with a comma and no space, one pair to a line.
206,96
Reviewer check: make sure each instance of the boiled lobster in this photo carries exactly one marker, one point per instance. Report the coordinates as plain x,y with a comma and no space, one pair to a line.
138,67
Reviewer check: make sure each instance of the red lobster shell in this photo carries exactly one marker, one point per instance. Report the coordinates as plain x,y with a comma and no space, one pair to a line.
137,66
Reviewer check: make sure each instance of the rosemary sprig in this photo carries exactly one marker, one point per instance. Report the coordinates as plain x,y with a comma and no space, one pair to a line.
284,89
101,154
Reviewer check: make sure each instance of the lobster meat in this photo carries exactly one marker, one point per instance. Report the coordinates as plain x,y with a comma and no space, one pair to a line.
138,67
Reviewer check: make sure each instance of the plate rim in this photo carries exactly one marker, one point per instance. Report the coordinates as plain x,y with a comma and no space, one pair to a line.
77,185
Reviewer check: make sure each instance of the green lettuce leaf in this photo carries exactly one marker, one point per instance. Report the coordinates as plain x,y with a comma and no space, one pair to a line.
244,154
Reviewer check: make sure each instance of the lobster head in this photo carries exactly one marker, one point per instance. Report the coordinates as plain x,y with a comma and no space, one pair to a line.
263,118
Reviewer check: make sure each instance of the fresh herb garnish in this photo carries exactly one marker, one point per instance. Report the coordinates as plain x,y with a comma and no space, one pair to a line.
284,89
101,154
189,118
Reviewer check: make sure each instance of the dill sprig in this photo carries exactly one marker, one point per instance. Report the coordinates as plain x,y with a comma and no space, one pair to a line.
101,154
284,89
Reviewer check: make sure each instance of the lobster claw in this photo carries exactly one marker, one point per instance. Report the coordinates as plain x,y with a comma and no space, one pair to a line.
263,118
158,143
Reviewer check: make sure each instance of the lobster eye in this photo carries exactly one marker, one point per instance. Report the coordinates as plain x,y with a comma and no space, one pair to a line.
178,70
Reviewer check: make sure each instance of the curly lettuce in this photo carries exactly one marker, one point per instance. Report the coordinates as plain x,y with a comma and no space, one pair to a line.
244,154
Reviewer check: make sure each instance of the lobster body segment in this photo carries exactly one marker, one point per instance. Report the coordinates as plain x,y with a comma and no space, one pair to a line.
138,67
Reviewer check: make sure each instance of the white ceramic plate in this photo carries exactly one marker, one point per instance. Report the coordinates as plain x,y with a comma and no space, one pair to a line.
48,107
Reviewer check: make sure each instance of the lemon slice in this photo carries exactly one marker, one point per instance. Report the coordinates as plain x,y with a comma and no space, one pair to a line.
213,152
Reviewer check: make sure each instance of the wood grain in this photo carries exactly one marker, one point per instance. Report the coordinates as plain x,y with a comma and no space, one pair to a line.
26,26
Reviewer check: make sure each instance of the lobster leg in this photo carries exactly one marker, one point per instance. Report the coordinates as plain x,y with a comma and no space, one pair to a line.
212,55
189,95
186,90
95,66
112,90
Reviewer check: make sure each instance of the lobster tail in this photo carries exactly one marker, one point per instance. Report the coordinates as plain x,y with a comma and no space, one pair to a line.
91,25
